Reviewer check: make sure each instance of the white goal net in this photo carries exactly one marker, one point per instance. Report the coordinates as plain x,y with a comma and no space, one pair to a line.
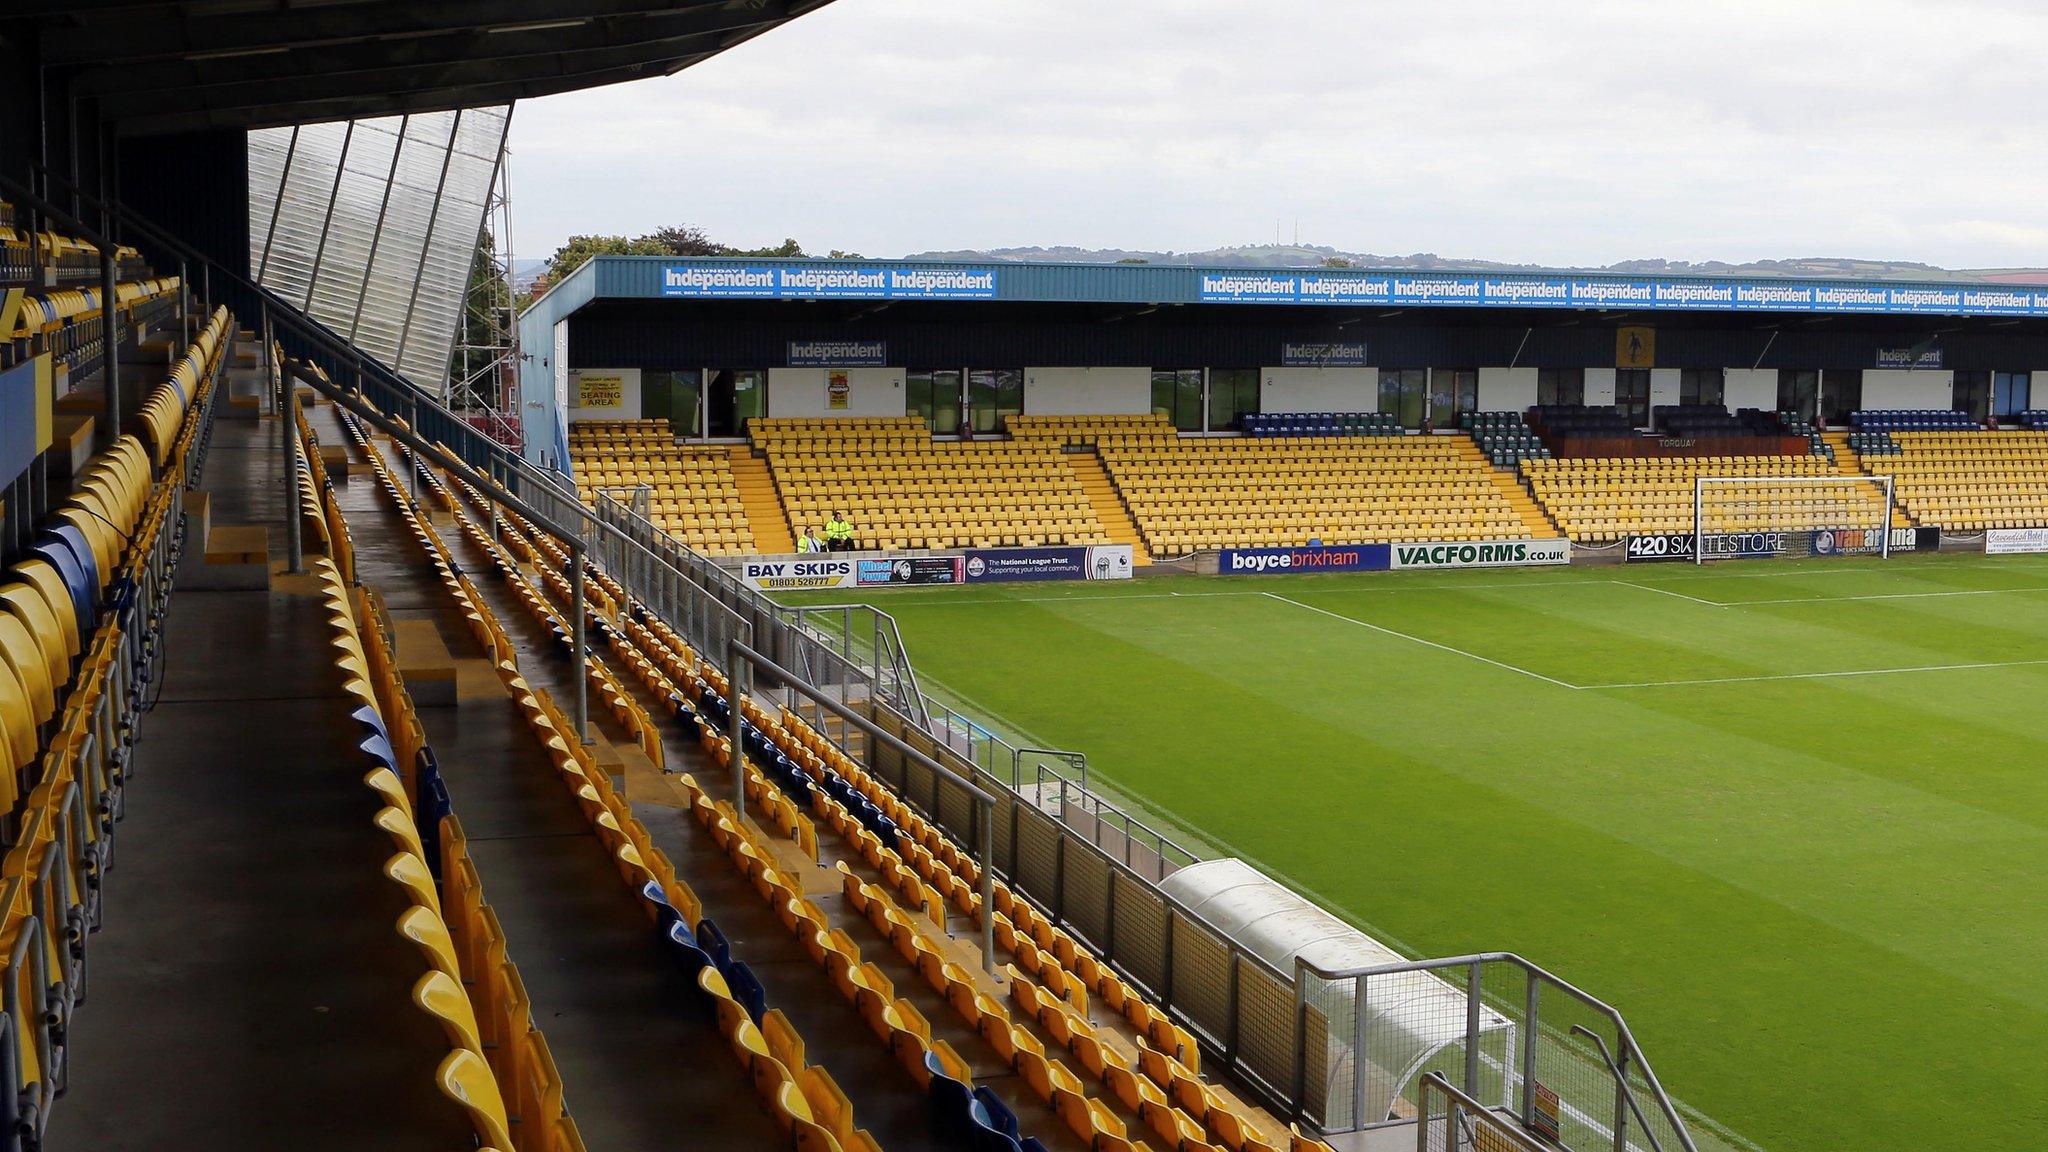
1738,517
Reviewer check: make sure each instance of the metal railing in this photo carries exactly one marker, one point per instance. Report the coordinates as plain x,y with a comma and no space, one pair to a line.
1448,1120
1029,814
1505,1031
62,846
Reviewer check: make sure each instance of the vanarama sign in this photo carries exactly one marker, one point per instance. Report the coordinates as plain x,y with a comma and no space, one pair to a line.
1482,554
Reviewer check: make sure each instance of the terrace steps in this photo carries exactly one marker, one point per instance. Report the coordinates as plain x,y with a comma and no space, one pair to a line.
1534,518
1109,507
762,502
1849,462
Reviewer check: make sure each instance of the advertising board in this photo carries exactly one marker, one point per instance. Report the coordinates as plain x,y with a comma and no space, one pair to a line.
785,575
996,565
1482,554
1309,558
909,570
2015,541
1654,547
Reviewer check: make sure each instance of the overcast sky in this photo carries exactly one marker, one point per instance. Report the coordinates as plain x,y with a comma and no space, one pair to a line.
1569,134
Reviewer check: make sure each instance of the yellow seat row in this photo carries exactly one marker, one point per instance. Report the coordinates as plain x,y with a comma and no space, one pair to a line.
902,489
1599,500
1200,495
695,496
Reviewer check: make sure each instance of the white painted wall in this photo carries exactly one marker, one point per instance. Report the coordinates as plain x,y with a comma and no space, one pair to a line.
1903,388
801,392
1087,391
1664,386
1506,389
1599,386
1319,389
629,395
1750,388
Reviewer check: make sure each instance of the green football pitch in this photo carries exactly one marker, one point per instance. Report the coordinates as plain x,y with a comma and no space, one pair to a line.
1790,817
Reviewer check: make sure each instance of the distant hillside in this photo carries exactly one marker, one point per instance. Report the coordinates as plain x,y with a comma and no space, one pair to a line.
1317,255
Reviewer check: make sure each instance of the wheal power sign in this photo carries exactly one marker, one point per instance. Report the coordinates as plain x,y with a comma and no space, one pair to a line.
1482,554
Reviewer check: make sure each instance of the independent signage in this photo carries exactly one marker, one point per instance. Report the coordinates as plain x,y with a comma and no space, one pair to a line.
1908,358
1483,554
1423,289
827,281
838,353
1658,546
1323,355
1313,558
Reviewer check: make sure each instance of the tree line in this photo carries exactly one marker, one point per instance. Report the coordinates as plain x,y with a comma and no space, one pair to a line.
680,240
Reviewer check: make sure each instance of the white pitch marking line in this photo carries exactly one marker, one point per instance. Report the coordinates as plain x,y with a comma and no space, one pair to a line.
1679,595
1420,640
1817,675
1883,596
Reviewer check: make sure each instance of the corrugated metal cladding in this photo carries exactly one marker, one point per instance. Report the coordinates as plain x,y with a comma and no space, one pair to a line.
694,335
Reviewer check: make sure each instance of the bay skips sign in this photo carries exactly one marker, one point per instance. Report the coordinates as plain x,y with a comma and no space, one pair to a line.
1381,557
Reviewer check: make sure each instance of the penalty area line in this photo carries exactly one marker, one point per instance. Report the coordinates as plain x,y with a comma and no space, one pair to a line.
1669,592
1425,643
1817,675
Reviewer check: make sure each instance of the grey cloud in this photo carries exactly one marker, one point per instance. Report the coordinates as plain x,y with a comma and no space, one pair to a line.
1543,132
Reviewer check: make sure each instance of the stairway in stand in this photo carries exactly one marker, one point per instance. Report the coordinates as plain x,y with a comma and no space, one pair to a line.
762,503
1535,519
1109,507
1848,462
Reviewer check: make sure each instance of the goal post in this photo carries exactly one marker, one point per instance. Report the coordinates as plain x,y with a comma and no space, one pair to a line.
1735,517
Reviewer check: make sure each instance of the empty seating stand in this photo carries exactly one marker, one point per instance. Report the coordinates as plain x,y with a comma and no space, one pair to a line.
1912,420
692,493
1554,420
902,488
1600,500
1505,437
1322,424
1964,480
1194,495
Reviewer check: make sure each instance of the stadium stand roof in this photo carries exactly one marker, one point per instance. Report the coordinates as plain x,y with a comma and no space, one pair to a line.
166,67
654,277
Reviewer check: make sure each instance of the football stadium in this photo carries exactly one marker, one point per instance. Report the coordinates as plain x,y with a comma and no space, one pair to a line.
869,705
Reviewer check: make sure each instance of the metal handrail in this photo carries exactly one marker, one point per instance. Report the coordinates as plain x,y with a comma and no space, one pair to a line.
1627,1094
1665,1104
984,801
1464,1106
